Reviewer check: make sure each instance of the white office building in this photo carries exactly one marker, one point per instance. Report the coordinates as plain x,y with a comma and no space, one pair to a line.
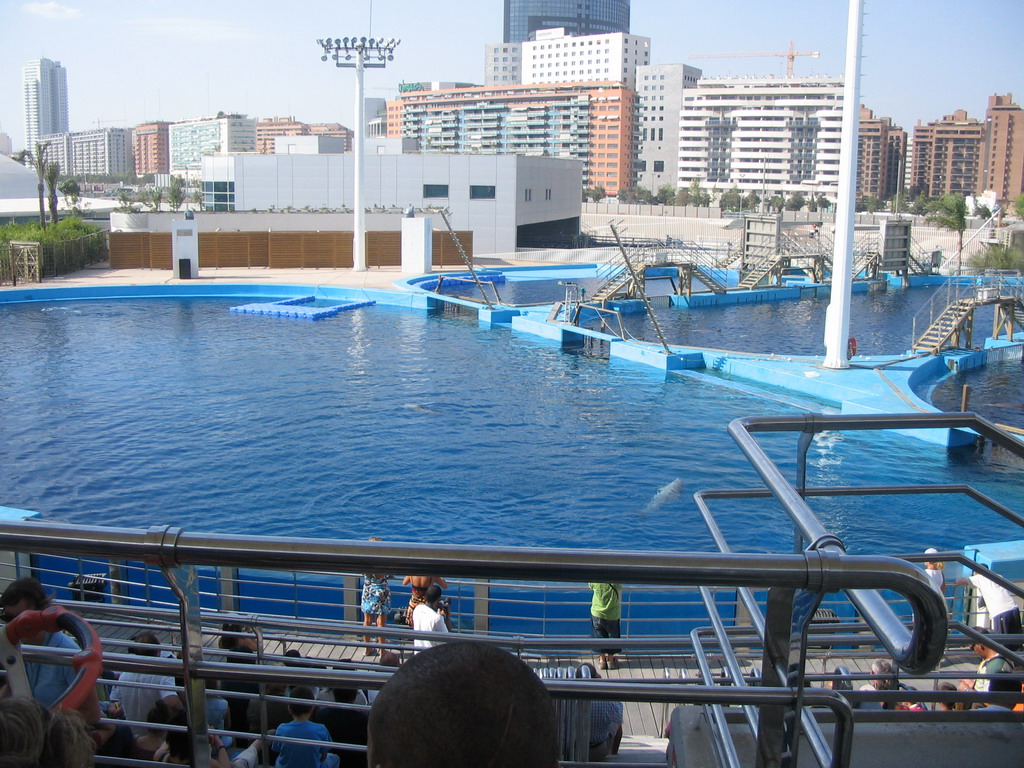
103,150
659,91
45,86
502,199
771,136
191,140
503,64
555,57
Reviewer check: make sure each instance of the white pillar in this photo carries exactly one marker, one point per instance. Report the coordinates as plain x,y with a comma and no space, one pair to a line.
417,245
185,248
837,318
359,228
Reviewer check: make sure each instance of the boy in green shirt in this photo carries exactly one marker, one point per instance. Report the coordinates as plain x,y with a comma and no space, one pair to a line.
605,614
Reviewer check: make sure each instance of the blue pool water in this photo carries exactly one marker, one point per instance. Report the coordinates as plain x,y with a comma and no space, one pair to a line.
415,427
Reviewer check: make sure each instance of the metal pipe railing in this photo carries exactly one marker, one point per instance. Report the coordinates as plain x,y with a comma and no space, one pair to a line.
915,651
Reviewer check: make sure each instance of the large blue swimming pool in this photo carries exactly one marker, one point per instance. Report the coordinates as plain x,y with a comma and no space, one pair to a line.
412,426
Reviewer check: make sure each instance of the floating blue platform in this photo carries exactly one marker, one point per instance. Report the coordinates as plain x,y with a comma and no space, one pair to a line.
303,307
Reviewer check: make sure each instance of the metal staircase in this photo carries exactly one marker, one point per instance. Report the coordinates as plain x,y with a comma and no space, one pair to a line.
709,281
948,318
760,271
465,257
954,321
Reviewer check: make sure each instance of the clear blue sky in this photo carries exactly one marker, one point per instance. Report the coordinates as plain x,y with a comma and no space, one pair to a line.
135,60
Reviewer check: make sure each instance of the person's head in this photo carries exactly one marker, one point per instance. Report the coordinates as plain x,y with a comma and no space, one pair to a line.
229,638
933,565
884,675
301,705
32,736
947,706
459,705
978,647
389,658
22,595
432,595
345,695
179,743
148,642
159,715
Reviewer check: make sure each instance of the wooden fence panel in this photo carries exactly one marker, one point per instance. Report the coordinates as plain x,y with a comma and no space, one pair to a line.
160,250
233,249
285,250
383,249
317,250
445,254
127,249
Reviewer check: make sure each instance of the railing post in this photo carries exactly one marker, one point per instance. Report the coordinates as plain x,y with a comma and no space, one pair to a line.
482,605
788,614
227,590
350,586
184,582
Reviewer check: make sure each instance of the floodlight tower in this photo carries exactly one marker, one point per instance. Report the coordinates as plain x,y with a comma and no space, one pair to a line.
359,52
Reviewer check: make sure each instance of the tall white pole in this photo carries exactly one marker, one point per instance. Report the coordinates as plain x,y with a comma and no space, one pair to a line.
837,318
359,228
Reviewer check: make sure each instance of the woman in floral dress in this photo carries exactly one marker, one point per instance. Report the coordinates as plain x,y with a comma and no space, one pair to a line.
376,603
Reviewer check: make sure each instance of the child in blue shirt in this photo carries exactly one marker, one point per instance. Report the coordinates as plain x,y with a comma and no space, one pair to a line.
291,755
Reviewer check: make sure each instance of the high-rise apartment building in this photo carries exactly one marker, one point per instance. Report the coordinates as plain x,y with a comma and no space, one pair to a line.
151,145
881,154
1002,157
578,17
45,85
269,128
946,156
594,122
771,136
556,57
337,130
659,91
97,151
191,139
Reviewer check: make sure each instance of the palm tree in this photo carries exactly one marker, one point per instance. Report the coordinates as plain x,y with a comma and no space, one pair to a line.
39,163
950,212
52,174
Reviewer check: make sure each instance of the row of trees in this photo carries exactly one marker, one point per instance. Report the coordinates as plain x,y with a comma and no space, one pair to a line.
695,195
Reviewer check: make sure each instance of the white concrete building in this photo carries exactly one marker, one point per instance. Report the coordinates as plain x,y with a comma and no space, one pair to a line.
555,57
503,64
45,85
765,135
503,199
191,140
104,150
659,91
6,147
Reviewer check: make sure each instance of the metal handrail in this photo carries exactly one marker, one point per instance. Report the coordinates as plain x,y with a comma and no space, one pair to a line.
916,651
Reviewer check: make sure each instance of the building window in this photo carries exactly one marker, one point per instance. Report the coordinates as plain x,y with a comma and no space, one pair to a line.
547,194
527,195
435,190
477,192
659,166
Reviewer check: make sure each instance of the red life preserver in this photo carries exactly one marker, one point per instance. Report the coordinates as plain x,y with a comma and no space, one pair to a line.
851,346
87,663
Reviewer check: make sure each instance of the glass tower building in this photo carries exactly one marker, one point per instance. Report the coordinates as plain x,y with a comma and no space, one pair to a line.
577,17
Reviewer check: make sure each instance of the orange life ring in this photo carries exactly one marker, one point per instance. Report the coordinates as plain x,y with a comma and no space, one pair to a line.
851,346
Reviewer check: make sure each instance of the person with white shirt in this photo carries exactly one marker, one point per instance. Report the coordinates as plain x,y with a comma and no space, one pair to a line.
429,616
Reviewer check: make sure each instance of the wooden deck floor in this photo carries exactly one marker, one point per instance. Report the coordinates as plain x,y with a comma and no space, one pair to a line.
644,720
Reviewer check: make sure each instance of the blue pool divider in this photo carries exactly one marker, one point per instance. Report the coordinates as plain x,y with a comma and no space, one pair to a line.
302,307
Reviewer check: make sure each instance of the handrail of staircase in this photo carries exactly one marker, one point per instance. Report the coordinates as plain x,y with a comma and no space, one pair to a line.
914,651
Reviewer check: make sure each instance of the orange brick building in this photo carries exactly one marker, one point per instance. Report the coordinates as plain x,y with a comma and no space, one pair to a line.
593,122
1003,152
947,156
151,146
882,149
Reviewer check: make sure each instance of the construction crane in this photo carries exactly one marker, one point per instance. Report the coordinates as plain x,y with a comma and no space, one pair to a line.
790,55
